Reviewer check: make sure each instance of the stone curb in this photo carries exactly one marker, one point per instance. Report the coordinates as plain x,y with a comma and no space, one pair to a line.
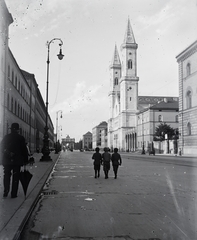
14,227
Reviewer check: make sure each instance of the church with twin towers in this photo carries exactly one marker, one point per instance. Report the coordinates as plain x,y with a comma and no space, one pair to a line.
125,106
123,94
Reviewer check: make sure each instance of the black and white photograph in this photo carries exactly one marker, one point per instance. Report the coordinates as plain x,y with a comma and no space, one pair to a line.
98,119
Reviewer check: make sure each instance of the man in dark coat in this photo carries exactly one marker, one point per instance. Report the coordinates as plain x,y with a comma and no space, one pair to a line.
106,157
14,155
97,162
116,161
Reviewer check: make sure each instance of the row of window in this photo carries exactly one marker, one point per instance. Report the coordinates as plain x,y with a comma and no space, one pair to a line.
129,66
16,83
189,93
17,109
160,118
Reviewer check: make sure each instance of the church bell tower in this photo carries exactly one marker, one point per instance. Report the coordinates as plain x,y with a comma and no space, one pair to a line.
123,95
128,86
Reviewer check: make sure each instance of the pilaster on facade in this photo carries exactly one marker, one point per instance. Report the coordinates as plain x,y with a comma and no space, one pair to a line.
188,99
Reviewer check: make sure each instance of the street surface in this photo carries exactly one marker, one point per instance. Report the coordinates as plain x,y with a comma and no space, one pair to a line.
153,198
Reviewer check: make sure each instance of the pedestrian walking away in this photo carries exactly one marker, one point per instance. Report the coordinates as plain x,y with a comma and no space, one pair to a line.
97,162
116,161
106,157
31,160
14,154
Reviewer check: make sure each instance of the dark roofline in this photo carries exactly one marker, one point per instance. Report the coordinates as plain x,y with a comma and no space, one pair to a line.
6,11
162,106
20,70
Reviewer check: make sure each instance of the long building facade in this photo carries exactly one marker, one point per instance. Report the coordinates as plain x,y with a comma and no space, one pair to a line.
5,20
187,64
21,100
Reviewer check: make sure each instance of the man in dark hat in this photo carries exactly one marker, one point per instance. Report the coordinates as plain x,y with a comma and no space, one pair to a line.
97,162
116,161
14,155
106,157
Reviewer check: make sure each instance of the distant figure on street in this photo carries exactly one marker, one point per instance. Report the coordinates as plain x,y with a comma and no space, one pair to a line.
14,155
97,162
116,161
28,150
31,160
106,157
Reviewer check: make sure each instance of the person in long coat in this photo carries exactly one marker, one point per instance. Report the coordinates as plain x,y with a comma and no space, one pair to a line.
106,157
116,161
14,155
97,162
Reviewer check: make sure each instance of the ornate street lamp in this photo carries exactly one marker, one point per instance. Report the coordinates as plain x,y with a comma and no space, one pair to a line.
45,149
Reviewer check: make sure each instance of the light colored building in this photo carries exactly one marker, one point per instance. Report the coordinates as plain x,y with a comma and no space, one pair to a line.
104,138
87,141
5,20
24,104
68,142
187,62
150,118
125,104
96,134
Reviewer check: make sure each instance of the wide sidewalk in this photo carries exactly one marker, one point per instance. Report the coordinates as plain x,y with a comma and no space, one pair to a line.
15,211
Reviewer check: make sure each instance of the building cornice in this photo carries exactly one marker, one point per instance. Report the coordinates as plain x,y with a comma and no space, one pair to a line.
187,52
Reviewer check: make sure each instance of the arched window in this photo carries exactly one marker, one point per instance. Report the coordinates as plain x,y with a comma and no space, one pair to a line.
12,76
116,81
18,110
19,86
130,64
189,99
189,132
12,104
8,101
15,107
8,71
176,118
188,69
16,82
160,118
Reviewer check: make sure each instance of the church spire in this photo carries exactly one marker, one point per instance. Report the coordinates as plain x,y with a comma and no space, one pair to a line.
129,36
115,58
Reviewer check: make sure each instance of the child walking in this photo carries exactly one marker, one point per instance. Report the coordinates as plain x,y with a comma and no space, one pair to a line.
106,157
97,162
116,161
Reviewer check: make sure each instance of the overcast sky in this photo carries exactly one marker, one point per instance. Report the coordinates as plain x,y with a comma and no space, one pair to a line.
89,29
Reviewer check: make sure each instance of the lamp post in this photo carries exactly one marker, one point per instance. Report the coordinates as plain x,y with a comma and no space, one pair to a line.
45,149
57,142
143,150
60,111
